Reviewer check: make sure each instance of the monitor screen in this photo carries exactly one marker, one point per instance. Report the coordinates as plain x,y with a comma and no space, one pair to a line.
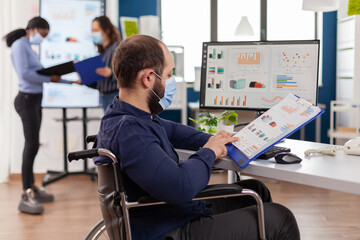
257,75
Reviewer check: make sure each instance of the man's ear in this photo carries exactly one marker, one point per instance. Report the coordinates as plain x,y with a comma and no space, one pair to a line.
147,77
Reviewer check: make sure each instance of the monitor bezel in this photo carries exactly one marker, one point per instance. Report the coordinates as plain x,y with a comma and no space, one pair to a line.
204,68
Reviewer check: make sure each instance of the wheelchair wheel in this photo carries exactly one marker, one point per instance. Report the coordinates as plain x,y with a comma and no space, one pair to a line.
98,232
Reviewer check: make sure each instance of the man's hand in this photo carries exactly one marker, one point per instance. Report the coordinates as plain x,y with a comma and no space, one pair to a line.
55,78
77,82
218,141
105,71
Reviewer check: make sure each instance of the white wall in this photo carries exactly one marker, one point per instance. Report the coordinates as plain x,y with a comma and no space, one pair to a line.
50,155
112,11
13,14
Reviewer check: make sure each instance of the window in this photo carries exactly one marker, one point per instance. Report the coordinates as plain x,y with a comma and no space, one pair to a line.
229,16
186,23
287,21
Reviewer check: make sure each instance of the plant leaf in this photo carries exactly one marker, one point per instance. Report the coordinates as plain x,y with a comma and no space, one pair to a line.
193,120
201,129
212,130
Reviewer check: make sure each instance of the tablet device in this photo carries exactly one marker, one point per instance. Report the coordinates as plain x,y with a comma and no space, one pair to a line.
60,69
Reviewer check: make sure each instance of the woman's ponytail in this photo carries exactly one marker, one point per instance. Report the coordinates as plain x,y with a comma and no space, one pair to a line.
35,22
12,36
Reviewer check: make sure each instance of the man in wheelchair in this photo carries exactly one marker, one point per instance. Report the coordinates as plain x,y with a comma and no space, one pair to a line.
144,143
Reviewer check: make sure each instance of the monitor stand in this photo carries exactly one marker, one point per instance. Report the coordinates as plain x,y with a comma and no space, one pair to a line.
256,115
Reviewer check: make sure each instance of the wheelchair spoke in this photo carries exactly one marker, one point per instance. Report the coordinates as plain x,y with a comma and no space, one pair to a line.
98,232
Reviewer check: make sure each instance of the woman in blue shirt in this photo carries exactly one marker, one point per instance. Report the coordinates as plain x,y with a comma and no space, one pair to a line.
106,37
28,104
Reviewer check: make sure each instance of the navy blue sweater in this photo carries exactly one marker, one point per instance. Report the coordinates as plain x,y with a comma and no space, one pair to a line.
151,166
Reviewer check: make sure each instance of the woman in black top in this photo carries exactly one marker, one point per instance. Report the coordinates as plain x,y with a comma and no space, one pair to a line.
106,37
28,105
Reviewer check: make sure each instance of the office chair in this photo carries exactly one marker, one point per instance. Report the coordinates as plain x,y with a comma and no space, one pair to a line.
115,207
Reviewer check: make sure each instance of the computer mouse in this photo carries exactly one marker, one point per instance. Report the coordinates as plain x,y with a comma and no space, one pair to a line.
287,158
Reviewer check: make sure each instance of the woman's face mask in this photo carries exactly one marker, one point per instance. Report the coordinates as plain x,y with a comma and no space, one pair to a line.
36,38
170,89
97,38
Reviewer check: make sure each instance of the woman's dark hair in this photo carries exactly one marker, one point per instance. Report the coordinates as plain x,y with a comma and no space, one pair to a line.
36,22
134,54
110,30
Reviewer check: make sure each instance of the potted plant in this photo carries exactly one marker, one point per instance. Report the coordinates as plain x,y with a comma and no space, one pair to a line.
227,121
211,124
207,121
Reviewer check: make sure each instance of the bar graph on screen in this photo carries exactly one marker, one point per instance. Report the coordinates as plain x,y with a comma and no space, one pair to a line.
230,101
284,81
258,74
249,58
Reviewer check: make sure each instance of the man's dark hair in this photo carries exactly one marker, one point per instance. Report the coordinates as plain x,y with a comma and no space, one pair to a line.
134,54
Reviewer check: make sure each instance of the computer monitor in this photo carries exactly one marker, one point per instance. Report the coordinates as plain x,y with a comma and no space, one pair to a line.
257,75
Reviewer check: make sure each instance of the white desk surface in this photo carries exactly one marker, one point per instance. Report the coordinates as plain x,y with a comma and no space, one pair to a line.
340,172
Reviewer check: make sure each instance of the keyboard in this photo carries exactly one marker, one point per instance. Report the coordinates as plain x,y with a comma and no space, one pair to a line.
272,152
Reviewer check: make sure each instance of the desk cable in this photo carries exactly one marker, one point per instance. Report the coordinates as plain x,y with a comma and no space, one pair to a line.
331,150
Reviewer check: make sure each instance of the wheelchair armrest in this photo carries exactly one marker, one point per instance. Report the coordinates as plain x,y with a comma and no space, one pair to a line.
218,190
147,199
209,191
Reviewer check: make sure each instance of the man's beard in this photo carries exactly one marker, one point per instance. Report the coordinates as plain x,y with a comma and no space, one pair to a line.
153,101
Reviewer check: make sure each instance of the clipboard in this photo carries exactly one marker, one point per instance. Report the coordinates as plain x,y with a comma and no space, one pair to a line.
61,69
242,160
87,69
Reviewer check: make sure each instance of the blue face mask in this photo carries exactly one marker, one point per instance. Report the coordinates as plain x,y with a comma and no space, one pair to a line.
170,89
97,38
36,39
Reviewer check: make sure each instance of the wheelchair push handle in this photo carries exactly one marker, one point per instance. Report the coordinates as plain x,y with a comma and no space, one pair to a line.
90,138
91,153
83,154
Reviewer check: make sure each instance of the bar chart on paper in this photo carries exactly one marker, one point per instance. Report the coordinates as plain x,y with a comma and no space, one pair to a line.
289,109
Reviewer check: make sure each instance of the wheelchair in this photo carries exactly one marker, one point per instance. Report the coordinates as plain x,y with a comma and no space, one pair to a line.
115,207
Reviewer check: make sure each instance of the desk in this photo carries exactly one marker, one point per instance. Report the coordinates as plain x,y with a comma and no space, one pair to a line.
340,172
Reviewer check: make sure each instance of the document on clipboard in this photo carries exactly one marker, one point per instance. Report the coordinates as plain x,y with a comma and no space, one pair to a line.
87,69
277,123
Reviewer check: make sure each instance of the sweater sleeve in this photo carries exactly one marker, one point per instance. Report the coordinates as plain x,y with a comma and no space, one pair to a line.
21,62
150,167
184,137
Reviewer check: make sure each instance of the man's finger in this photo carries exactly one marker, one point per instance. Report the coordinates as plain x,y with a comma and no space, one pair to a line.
222,133
224,152
231,139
